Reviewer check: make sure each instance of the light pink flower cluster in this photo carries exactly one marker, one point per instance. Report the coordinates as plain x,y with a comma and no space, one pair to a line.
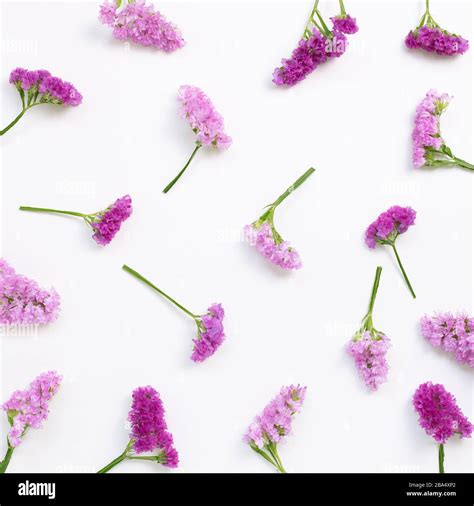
29,408
210,334
203,118
22,301
452,333
141,24
279,253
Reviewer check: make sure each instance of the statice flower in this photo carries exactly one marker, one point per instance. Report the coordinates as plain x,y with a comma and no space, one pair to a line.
429,36
140,23
368,347
210,330
37,87
274,424
105,224
452,333
316,46
28,409
206,123
429,147
263,235
23,301
386,229
149,431
440,416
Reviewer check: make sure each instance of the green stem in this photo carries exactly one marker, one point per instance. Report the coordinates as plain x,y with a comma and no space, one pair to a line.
175,180
4,463
463,164
343,9
45,210
307,32
256,449
274,453
292,188
441,458
403,271
114,462
327,32
150,284
367,321
428,6
14,122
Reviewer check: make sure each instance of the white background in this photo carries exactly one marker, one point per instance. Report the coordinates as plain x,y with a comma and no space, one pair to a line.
351,119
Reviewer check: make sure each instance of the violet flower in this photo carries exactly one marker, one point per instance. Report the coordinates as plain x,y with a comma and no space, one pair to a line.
149,432
429,147
28,409
387,227
38,87
269,428
263,235
205,121
440,416
368,347
316,46
105,224
210,330
141,24
452,333
429,36
23,301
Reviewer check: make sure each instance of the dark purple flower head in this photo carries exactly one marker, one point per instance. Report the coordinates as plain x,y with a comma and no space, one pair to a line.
389,225
149,430
108,223
439,414
345,24
211,334
436,40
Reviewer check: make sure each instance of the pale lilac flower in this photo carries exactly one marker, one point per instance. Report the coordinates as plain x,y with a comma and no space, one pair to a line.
452,333
210,330
149,431
105,224
263,235
140,23
37,87
429,147
23,301
275,422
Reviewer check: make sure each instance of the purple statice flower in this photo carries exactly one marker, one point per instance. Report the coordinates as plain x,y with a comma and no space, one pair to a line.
345,24
436,40
452,333
210,330
386,229
429,147
30,407
263,235
23,301
38,87
148,433
105,224
140,23
275,423
206,123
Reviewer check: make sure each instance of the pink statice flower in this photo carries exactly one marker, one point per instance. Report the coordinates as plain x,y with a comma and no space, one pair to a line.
30,408
452,333
428,145
204,120
275,423
23,301
141,24
263,236
105,224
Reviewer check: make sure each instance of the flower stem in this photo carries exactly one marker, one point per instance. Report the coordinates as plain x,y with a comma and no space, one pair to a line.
367,321
403,271
307,31
463,164
14,122
267,457
45,210
327,32
343,9
114,462
150,284
441,458
175,180
272,448
4,463
293,187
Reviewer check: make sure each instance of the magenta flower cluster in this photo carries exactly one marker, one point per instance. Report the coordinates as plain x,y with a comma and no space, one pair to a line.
29,408
22,301
140,23
211,334
149,431
50,89
107,223
436,40
345,24
389,225
439,415
451,333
